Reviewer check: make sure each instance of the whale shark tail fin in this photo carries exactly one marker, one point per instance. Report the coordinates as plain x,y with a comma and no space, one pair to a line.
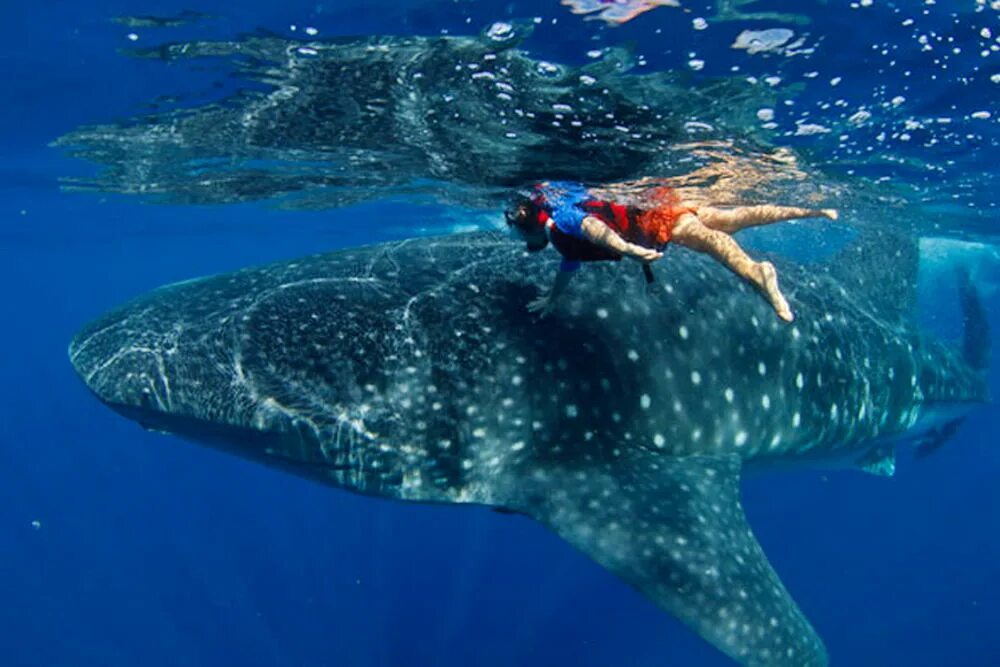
976,341
673,528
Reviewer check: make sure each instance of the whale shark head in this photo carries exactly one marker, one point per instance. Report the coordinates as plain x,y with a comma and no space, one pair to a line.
623,422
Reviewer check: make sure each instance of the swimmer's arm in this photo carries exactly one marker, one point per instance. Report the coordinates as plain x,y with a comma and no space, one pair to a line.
595,231
544,304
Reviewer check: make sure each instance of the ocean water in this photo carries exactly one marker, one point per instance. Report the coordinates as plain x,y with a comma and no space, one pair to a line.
138,151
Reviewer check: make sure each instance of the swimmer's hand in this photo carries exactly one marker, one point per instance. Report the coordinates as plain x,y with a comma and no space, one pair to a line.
641,254
543,305
546,301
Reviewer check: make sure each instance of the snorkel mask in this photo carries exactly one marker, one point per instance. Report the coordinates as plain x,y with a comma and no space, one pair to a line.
526,217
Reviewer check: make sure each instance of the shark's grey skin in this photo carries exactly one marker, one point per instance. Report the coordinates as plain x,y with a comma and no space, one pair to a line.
413,371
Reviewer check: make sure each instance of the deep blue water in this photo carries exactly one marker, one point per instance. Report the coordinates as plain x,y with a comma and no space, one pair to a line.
122,547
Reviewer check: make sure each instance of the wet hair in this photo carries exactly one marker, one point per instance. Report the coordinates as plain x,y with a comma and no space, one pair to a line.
522,215
521,212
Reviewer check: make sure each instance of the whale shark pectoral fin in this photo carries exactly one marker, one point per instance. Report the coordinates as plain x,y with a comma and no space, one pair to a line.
879,461
674,529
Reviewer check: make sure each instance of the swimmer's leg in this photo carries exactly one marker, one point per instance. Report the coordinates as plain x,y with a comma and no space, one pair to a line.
691,233
734,219
647,273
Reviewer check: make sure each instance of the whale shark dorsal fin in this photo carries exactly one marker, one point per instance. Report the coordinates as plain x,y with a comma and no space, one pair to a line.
880,267
674,529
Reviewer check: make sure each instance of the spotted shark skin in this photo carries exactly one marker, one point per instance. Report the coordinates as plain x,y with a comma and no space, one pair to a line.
623,421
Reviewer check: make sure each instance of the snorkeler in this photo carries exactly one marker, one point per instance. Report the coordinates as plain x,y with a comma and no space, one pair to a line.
587,225
616,12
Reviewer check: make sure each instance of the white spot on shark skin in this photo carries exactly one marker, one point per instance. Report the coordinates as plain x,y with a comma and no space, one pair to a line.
833,411
479,433
571,411
729,395
796,420
695,378
683,332
741,438
762,368
765,402
602,313
645,401
517,446
800,381
516,380
411,479
659,440
633,355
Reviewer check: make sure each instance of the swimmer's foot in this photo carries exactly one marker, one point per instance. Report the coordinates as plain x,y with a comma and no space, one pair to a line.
829,213
769,285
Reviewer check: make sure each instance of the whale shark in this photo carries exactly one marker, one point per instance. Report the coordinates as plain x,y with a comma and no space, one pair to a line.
623,421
